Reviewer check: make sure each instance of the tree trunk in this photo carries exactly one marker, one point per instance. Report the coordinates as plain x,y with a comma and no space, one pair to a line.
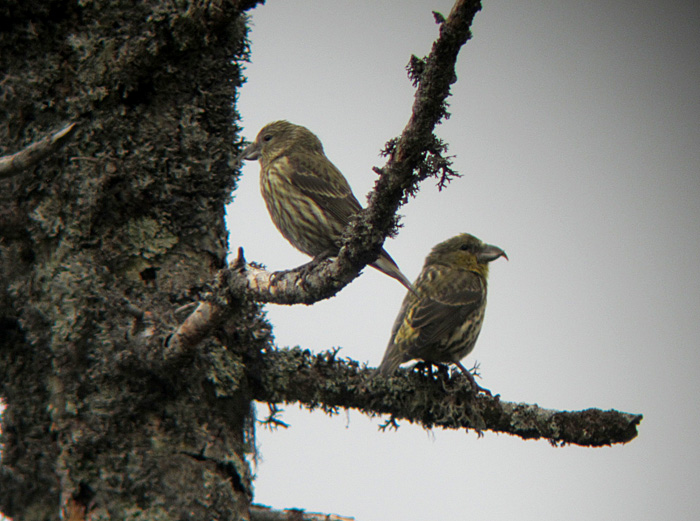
122,225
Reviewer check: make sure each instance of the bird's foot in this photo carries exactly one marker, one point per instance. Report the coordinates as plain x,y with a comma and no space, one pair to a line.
470,376
426,368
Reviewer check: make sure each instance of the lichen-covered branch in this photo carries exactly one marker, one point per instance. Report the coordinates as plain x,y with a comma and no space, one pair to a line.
13,164
263,513
431,400
408,155
412,155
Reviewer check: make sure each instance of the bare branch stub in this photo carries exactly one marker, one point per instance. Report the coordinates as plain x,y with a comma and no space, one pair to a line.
317,280
13,164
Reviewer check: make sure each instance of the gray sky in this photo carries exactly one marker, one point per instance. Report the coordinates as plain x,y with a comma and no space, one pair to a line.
575,125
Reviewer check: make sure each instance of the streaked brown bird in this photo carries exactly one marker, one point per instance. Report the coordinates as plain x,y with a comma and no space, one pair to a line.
308,198
440,320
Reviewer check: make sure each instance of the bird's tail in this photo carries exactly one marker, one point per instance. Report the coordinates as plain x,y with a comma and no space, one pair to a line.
386,265
391,361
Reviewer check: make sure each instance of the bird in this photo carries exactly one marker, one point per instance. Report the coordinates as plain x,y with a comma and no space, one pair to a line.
308,198
440,320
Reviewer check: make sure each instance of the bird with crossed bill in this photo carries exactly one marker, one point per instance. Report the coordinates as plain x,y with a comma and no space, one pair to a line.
308,198
440,319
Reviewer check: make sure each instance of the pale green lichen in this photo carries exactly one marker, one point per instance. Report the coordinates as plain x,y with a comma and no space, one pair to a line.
149,237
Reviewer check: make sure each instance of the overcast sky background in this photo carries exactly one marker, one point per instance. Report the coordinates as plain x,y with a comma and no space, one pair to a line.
576,127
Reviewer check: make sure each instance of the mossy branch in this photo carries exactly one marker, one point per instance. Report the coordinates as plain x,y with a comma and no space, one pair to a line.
264,513
431,400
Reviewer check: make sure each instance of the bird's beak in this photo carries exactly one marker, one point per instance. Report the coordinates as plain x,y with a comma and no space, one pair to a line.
490,253
250,153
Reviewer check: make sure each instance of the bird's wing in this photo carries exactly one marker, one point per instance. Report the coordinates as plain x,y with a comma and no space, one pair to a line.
444,307
317,178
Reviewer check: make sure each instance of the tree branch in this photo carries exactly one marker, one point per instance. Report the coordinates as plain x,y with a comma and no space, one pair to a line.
263,513
12,165
432,400
407,166
412,159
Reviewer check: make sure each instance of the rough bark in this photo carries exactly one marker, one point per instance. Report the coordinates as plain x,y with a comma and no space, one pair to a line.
103,237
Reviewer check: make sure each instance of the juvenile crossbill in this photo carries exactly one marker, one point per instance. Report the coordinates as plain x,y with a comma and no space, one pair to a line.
440,320
308,198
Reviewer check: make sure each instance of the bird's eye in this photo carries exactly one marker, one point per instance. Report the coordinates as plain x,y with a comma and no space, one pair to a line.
267,137
465,247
